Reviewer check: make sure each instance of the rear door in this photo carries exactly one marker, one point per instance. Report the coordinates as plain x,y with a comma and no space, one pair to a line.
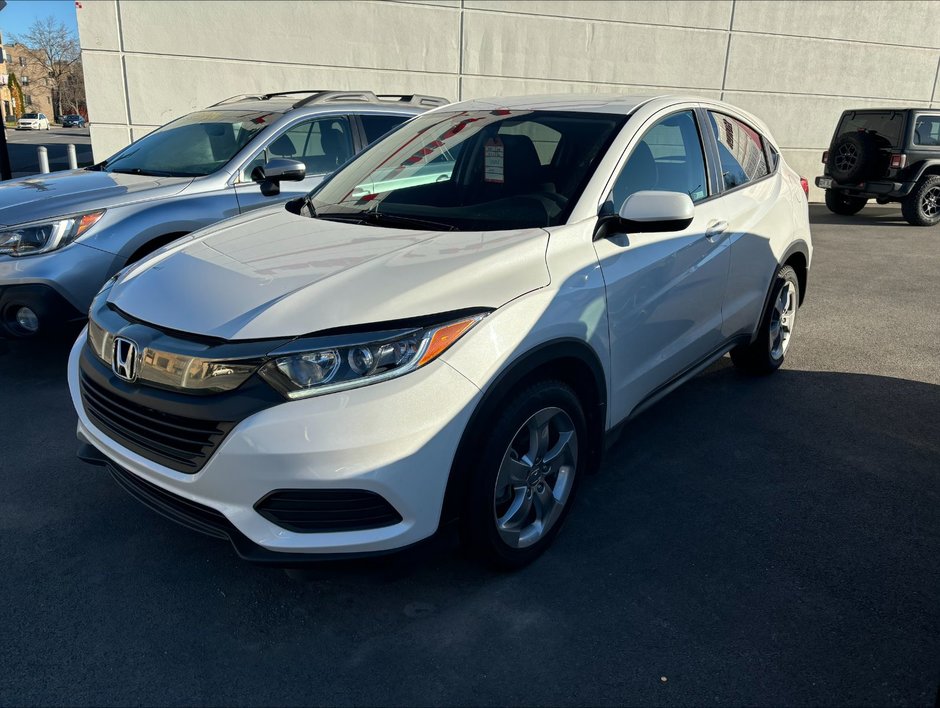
751,203
664,290
322,144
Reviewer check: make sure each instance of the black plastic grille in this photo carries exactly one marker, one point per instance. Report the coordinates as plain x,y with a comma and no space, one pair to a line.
322,510
183,444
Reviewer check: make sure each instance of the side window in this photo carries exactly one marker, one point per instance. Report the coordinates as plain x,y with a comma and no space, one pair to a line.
927,131
739,150
322,145
377,126
668,158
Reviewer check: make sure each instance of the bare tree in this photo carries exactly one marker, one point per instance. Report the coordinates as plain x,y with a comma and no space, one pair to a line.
52,50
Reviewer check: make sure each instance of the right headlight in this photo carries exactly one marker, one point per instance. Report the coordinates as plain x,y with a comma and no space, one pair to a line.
320,371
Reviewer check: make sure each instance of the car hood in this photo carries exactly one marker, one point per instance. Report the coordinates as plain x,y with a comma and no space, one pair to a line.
279,274
59,193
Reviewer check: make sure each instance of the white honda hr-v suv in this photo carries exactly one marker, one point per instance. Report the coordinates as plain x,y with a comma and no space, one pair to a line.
445,330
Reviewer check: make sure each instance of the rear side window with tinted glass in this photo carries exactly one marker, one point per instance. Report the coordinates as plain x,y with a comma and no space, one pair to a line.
740,151
927,131
377,126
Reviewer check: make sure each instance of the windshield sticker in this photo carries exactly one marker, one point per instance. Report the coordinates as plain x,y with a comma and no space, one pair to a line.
493,161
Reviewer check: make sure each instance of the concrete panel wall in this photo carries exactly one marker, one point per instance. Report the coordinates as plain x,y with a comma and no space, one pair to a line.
798,64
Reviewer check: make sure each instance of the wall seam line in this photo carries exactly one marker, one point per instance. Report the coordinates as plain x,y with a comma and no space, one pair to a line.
460,48
724,74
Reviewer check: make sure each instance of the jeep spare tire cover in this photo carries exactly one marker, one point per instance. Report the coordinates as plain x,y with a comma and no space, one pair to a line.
853,157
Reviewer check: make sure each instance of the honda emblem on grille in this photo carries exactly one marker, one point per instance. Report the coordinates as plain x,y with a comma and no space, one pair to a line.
124,359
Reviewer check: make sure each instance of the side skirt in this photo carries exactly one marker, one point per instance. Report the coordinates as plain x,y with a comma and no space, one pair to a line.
675,382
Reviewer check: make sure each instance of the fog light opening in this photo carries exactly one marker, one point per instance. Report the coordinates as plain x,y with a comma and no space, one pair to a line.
27,320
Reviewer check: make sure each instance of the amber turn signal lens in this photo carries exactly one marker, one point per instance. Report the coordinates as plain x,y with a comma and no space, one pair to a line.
87,221
444,337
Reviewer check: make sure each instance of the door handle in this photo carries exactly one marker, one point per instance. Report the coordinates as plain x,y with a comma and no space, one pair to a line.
715,229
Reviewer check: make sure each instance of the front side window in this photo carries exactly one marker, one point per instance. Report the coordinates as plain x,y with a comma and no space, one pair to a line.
669,158
376,126
927,130
472,170
740,151
322,145
192,146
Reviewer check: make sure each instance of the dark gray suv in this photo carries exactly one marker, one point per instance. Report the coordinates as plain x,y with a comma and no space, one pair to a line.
887,154
62,235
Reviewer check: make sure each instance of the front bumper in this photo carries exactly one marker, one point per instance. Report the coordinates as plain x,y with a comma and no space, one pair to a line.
396,439
61,283
872,189
53,311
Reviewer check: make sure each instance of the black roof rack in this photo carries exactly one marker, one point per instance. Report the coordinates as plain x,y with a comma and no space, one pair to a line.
326,96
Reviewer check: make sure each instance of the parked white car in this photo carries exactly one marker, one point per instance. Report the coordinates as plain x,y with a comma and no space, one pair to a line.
33,121
349,373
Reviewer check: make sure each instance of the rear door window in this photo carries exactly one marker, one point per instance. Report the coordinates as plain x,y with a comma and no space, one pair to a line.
740,151
927,131
376,126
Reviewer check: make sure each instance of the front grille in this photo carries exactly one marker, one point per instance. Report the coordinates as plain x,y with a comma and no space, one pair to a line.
322,510
180,443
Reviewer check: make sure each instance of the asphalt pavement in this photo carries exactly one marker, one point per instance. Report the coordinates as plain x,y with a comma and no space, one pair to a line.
24,158
748,541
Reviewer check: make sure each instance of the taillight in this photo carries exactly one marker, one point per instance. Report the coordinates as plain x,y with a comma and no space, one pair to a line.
805,185
898,162
825,157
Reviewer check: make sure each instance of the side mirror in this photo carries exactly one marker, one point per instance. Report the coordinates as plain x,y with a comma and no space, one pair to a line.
276,171
656,212
649,212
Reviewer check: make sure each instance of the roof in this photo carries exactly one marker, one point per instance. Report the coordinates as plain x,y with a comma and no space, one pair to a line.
588,102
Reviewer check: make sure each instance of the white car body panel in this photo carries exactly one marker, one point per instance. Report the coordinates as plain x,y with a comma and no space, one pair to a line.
650,307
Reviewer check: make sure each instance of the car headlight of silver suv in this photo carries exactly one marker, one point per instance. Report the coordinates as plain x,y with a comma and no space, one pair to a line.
44,236
326,370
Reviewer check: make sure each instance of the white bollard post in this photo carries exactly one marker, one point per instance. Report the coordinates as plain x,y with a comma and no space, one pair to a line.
43,159
73,160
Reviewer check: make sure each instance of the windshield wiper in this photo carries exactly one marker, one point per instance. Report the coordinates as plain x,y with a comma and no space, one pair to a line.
378,218
149,173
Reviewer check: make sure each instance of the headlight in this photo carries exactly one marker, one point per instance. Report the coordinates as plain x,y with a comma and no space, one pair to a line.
332,369
44,236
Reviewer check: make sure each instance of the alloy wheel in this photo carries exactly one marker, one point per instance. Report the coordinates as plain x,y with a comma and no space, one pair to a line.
846,156
782,320
535,477
930,202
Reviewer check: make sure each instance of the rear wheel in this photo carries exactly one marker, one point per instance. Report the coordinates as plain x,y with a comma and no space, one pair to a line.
843,204
766,353
526,475
922,206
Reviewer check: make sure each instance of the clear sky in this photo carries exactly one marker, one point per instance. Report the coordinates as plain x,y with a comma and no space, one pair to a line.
18,15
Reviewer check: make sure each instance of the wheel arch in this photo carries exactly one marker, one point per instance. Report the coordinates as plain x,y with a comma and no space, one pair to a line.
153,244
797,257
570,360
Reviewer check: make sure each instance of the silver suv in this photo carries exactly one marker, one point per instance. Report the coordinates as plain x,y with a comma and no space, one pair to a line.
65,234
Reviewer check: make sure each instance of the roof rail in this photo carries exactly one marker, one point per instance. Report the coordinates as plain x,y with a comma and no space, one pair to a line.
327,96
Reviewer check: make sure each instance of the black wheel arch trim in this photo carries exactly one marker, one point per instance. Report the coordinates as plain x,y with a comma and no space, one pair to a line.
799,246
506,381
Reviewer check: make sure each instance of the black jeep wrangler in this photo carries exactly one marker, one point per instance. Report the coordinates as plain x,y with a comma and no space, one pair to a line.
891,155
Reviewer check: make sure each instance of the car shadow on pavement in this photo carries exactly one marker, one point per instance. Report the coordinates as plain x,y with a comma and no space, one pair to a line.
871,215
781,525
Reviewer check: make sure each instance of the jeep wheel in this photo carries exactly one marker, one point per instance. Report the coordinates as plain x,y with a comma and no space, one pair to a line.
843,204
922,206
853,156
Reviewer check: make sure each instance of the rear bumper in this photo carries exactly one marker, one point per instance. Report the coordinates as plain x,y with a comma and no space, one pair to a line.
872,189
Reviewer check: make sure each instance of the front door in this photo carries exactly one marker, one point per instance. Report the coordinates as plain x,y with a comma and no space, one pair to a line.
322,144
664,290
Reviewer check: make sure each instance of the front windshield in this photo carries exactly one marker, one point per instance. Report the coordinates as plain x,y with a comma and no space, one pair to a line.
195,145
481,170
31,116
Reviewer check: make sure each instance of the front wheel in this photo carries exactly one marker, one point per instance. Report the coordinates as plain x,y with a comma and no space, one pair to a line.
843,204
922,206
525,476
766,353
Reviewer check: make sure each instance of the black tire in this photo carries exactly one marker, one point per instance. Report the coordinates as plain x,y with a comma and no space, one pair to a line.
479,513
853,157
922,206
758,357
843,204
